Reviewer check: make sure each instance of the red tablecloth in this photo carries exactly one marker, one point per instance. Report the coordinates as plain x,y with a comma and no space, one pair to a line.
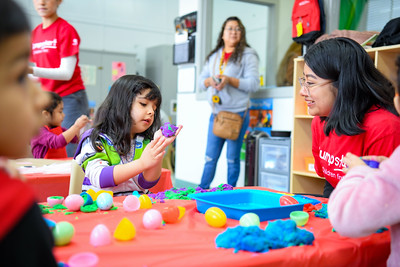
46,185
191,242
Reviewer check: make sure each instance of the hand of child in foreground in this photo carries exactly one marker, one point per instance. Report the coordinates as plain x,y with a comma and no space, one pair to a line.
351,161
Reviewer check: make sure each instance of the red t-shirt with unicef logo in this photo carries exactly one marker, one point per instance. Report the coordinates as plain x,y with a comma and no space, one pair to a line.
381,137
49,45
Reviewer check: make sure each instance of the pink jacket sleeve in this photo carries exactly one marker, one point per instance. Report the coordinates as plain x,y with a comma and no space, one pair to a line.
367,199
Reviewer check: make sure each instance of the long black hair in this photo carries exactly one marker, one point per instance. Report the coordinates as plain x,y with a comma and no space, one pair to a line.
113,117
360,86
12,20
237,54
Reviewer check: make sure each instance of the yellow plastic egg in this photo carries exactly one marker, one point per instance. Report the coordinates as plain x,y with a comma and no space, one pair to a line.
215,217
145,202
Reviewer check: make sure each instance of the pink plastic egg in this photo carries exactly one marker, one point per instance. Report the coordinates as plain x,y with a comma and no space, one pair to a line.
54,200
152,219
131,203
83,259
100,236
74,202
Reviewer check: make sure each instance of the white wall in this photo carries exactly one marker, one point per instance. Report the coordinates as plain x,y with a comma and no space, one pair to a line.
126,26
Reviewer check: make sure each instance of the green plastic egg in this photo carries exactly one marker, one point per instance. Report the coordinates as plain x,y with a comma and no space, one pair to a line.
63,233
249,219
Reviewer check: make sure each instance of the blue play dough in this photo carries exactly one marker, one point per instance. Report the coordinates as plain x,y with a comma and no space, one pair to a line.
278,234
372,163
323,212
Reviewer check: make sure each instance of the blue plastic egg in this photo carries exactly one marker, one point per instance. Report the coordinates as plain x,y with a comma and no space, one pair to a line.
104,201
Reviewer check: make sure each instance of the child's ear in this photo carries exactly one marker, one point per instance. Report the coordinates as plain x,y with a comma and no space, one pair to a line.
46,116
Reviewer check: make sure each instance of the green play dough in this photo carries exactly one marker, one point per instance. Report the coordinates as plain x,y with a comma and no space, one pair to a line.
89,208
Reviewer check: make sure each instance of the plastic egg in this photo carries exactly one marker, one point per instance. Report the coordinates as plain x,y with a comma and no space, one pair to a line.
92,193
287,200
54,200
145,202
83,259
170,214
125,230
249,219
74,202
152,219
131,203
182,211
104,201
63,233
215,217
300,217
100,236
87,199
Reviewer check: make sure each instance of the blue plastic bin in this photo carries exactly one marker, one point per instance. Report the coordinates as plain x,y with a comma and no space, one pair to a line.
236,203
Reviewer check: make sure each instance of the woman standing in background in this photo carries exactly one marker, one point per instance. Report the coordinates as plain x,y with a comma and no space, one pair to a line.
229,75
55,51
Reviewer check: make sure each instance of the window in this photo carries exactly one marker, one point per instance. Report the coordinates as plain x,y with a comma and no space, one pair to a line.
379,12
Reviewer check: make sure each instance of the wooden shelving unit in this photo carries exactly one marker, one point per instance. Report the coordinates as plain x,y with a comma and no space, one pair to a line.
302,180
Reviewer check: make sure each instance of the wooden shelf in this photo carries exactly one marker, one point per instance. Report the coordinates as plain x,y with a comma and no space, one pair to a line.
308,174
302,181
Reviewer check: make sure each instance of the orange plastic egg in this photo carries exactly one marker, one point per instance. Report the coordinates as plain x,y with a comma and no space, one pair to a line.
170,214
287,200
215,217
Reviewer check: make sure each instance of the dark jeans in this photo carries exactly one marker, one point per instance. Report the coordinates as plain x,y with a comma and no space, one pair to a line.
75,105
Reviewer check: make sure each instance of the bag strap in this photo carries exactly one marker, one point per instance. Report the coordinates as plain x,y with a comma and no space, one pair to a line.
245,113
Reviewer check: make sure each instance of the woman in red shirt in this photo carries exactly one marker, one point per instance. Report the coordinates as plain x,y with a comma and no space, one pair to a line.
55,51
353,107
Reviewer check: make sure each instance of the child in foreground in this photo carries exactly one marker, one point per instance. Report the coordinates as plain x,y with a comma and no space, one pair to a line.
367,199
25,238
124,150
52,139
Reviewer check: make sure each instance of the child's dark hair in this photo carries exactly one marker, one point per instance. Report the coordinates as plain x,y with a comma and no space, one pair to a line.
114,115
55,100
12,19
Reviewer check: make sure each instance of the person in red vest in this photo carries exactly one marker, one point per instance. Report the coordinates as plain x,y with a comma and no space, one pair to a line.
25,238
52,139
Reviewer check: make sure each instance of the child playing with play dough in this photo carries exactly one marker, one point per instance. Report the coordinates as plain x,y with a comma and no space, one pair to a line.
124,150
367,199
50,143
25,238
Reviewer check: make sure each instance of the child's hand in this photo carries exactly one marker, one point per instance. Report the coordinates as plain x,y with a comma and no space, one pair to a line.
351,161
81,121
157,134
375,158
155,150
153,153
